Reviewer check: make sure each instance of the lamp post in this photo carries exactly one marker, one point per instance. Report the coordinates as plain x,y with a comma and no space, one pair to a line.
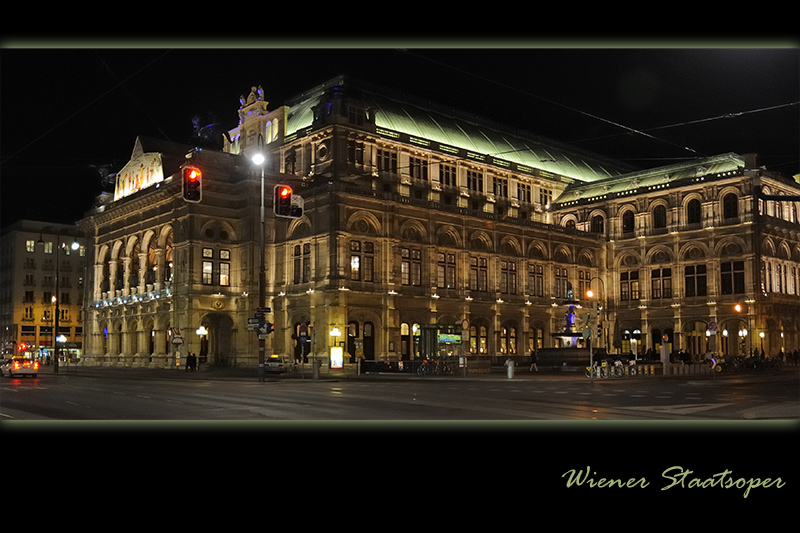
57,296
595,316
259,159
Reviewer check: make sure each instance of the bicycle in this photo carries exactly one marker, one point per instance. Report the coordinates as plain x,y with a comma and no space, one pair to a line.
597,371
427,367
294,370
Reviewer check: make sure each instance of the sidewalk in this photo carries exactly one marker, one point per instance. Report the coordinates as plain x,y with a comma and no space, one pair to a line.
351,372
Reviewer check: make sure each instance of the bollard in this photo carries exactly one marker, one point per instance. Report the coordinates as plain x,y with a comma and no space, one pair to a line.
510,368
315,369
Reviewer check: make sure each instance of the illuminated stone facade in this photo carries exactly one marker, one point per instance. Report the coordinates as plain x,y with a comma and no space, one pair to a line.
697,259
415,216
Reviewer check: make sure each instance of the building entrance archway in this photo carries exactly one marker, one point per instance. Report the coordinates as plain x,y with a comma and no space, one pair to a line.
216,346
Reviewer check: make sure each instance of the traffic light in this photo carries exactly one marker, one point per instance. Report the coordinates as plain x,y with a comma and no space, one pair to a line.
286,204
192,184
283,200
269,327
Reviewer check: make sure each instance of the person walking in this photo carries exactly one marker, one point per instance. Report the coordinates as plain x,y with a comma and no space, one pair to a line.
533,361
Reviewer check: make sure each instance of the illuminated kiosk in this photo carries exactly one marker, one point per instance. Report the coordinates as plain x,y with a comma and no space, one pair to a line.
438,341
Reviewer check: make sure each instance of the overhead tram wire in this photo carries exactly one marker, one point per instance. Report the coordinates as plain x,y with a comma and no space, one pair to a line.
107,67
79,111
726,116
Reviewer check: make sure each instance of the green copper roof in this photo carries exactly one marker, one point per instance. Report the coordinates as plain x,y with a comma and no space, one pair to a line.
653,179
401,113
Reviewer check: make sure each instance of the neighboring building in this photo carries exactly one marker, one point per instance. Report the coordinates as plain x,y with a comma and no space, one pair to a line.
417,216
41,289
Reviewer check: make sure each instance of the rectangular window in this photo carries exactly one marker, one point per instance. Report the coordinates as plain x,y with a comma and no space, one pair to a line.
446,271
30,246
225,274
508,277
418,168
661,283
733,277
362,261
500,187
411,266
355,261
297,259
545,196
387,161
629,285
561,287
447,175
355,152
524,193
306,262
535,280
208,272
584,283
478,274
475,181
694,279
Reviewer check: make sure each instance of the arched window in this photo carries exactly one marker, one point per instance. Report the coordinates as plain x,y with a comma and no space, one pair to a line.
478,339
627,221
693,212
598,224
508,340
730,206
659,216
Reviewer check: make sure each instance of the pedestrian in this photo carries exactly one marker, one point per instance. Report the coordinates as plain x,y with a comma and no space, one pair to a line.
533,361
192,362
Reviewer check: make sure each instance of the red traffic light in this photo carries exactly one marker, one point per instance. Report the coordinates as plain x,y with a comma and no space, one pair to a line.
192,184
284,192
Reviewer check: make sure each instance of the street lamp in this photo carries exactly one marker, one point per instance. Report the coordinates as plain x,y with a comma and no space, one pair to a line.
259,159
595,315
57,296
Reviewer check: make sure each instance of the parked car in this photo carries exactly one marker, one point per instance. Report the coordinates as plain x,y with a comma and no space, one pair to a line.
275,363
19,366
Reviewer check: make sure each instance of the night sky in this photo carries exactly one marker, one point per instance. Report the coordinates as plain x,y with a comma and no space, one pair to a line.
68,110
